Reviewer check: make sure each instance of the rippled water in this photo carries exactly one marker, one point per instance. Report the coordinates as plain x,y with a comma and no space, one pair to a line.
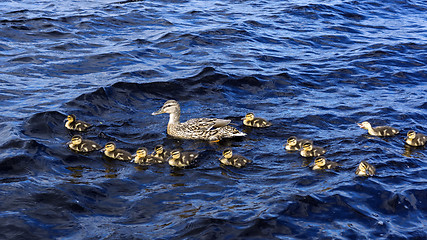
313,68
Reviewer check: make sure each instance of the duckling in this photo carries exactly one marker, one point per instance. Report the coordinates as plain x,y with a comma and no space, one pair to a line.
160,153
111,151
381,131
365,169
233,160
182,159
321,163
78,144
308,150
211,129
294,144
76,125
142,157
252,121
415,139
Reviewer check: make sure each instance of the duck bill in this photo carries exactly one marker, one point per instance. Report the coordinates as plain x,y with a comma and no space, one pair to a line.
360,125
160,111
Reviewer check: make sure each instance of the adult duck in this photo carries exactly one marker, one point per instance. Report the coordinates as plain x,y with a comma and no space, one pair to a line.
211,129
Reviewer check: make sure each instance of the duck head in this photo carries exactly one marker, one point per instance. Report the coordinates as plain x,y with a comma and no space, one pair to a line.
76,139
364,125
109,147
141,152
292,141
249,117
70,118
227,153
170,106
320,161
411,134
307,146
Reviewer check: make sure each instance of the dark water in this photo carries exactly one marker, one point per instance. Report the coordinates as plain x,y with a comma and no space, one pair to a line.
313,68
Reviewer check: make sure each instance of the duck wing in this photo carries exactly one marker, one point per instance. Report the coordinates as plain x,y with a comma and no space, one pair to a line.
206,124
385,131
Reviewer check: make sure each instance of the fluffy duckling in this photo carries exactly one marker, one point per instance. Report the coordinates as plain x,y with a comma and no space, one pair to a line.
78,144
160,153
365,169
182,159
415,139
76,125
381,131
211,129
308,150
252,121
294,144
321,163
233,160
111,151
142,157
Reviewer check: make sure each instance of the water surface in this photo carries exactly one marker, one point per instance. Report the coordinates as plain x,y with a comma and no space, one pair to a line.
313,68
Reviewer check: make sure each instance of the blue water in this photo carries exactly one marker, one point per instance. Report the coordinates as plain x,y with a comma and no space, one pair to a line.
313,68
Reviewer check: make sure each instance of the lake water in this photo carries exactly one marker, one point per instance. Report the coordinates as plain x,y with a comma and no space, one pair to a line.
313,68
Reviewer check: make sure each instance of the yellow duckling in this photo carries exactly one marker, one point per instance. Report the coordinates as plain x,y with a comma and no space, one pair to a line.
321,163
365,169
233,160
76,125
111,151
141,157
252,121
381,131
415,139
211,129
308,150
160,153
78,144
182,159
294,144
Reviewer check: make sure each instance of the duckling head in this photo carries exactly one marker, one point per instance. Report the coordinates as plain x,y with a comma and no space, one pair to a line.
109,147
364,169
71,118
292,141
141,152
76,140
227,153
307,146
159,149
411,134
170,106
365,125
249,117
175,154
320,161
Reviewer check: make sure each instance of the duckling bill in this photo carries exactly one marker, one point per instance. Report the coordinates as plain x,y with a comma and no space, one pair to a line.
79,144
76,125
231,159
415,139
380,131
111,151
251,121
